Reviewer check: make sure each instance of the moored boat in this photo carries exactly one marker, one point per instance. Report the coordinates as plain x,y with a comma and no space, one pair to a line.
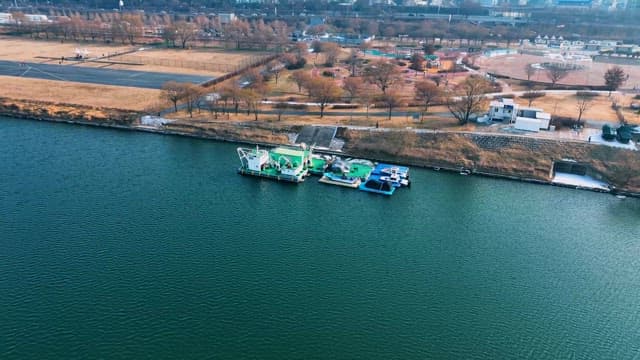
281,163
340,180
375,185
349,173
397,175
319,164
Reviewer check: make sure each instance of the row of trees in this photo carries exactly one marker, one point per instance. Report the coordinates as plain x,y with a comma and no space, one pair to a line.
133,27
379,84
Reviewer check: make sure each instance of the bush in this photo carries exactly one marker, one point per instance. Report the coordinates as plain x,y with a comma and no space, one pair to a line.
299,64
284,105
401,63
345,106
637,97
587,94
532,95
561,121
328,73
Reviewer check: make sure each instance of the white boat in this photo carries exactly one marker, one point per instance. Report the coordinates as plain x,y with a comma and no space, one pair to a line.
395,179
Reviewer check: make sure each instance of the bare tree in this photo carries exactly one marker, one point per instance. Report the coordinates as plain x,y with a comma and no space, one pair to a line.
237,31
364,46
427,92
470,100
191,96
254,77
614,78
184,32
331,52
582,105
383,74
366,96
353,61
231,91
173,92
300,78
275,68
556,73
169,36
417,62
280,108
530,71
252,99
391,100
352,86
281,34
323,91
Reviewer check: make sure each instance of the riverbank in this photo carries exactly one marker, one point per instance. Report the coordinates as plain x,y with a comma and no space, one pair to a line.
517,158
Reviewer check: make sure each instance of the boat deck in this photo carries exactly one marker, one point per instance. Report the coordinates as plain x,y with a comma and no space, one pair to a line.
383,169
360,171
271,173
317,165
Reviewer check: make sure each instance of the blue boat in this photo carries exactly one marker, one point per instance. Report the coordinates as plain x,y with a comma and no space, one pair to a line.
396,175
377,186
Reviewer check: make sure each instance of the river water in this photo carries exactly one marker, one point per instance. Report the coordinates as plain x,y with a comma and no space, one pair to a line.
117,244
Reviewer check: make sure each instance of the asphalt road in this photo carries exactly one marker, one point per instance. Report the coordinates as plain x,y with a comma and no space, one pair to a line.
70,72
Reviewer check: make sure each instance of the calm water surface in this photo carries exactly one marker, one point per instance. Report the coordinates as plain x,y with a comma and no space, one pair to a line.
119,244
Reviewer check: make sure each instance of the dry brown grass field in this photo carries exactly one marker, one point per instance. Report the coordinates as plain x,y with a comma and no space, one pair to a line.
566,106
591,74
187,61
125,98
18,49
180,61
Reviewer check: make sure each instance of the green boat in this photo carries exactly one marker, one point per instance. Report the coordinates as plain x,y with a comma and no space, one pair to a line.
319,164
281,163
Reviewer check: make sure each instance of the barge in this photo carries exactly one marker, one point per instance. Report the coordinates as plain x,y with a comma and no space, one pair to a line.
280,163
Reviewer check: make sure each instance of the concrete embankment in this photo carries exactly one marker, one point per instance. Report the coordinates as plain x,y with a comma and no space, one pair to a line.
517,158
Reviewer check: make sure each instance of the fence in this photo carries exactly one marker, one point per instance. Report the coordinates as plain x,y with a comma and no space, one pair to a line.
195,65
618,60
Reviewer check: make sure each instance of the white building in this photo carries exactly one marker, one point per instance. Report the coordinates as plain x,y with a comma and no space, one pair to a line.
226,18
523,118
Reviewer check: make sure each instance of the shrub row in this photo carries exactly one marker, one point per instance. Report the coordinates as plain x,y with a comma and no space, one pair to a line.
284,105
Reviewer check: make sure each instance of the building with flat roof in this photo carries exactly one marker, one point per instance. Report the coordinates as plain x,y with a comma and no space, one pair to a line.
523,118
